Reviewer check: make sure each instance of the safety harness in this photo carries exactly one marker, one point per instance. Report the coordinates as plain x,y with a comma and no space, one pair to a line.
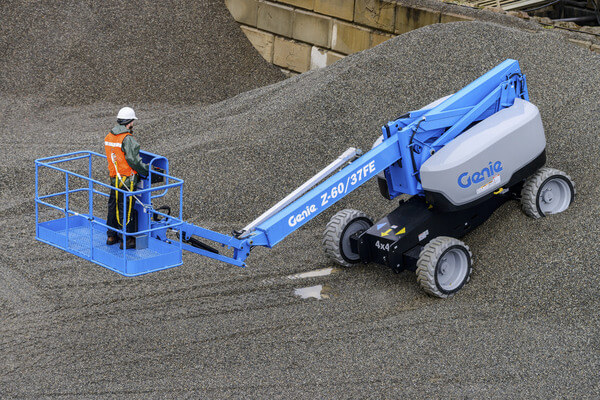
120,182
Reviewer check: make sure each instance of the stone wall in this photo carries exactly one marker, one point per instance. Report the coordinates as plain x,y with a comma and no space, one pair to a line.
299,35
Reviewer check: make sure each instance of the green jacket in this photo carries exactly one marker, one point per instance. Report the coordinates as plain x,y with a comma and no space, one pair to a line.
131,148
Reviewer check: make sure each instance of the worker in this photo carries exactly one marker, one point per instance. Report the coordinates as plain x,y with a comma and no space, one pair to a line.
125,167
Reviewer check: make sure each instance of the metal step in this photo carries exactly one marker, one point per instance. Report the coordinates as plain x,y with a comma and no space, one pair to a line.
509,5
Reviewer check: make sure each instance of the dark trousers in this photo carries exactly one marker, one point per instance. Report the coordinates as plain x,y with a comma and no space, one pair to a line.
111,219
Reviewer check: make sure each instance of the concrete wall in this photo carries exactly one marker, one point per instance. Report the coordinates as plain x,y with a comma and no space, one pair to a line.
299,35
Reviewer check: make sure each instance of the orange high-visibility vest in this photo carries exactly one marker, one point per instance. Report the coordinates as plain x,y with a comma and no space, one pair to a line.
112,145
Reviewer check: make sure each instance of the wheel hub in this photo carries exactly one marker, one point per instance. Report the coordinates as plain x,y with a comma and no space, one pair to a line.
443,266
555,196
359,225
547,196
452,269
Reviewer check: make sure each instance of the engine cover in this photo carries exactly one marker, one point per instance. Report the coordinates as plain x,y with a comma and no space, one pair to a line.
486,156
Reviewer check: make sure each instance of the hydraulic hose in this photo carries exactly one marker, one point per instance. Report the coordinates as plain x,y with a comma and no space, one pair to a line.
412,155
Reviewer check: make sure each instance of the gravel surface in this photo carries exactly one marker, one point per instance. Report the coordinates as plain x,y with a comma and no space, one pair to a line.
75,52
526,326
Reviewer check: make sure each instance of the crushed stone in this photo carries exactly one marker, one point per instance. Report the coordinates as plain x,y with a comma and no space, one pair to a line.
525,326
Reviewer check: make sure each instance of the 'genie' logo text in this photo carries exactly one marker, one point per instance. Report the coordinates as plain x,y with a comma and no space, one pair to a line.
465,180
294,219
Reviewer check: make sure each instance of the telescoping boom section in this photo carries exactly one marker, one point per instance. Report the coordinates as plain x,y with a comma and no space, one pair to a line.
406,144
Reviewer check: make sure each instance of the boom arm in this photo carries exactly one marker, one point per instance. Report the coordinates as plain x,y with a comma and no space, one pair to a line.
421,133
273,230
407,143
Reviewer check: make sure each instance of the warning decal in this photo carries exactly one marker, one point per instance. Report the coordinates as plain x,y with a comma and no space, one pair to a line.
495,181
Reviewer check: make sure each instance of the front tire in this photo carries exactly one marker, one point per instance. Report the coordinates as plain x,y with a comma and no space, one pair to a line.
444,266
336,238
548,191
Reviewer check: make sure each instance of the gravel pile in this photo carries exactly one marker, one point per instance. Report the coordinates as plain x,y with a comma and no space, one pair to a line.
526,325
79,52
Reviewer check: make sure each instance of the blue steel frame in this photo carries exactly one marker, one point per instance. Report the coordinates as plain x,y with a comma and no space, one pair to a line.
407,143
47,231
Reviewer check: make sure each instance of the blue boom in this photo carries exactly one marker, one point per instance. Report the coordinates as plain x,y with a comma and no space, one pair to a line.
407,143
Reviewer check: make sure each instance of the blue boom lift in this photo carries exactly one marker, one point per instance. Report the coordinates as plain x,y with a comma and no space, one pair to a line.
459,158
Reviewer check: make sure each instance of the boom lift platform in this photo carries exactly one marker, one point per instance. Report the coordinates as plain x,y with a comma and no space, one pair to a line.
460,158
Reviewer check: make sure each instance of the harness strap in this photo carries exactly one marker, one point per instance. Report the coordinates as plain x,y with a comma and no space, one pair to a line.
119,180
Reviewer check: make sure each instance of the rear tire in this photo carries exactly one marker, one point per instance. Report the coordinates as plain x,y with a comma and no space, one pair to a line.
444,266
336,238
548,191
383,187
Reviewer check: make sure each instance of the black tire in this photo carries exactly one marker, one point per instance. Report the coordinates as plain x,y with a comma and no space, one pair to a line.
383,187
444,266
336,238
537,197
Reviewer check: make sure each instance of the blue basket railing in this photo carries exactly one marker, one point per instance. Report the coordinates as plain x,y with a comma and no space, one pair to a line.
84,233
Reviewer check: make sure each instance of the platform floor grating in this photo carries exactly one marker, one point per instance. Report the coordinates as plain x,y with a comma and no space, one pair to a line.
79,241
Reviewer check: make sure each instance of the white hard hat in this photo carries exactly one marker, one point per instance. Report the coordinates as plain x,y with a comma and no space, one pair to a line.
126,113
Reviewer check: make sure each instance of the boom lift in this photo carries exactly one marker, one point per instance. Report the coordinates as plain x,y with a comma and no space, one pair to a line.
460,158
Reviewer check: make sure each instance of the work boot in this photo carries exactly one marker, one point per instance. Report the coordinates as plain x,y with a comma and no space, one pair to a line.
112,240
130,243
